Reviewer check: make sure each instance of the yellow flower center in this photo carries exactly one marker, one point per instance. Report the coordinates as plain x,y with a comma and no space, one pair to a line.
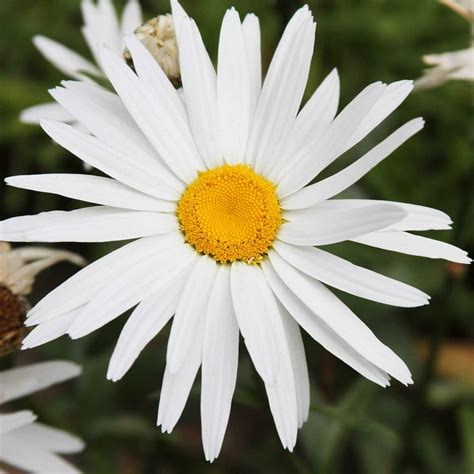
230,213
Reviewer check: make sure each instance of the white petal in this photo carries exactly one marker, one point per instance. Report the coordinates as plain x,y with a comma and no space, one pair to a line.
94,189
345,276
299,365
404,242
17,382
190,312
105,116
219,364
323,228
136,174
28,457
86,283
64,59
49,439
148,319
141,280
233,89
282,90
341,319
256,311
417,218
310,160
282,395
153,114
311,122
12,421
178,15
393,95
251,32
329,187
168,102
98,224
109,25
320,331
51,330
176,387
131,17
199,85
50,110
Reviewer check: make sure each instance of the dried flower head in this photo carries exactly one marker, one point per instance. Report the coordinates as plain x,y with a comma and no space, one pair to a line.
18,270
159,37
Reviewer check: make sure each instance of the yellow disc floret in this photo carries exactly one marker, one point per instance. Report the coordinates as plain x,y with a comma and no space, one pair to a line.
230,213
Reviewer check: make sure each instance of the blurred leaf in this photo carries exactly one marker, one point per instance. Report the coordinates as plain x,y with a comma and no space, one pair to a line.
466,427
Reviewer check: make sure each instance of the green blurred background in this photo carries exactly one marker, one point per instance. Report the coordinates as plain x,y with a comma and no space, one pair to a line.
354,426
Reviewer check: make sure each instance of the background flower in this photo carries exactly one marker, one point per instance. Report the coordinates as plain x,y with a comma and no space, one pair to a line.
24,442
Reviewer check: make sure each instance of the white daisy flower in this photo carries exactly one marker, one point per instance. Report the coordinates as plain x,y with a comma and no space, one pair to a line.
101,25
25,443
452,65
217,192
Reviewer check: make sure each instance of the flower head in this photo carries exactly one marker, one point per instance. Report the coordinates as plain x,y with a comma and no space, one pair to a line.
159,37
18,270
25,443
216,190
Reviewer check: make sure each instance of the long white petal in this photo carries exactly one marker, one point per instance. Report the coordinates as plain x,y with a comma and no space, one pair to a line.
341,319
251,32
256,310
12,421
410,244
190,312
51,110
153,114
86,283
329,187
138,175
298,363
233,89
417,217
200,92
131,17
320,331
282,90
176,387
345,276
219,364
282,395
50,439
311,122
310,160
178,15
323,228
99,224
30,458
392,97
21,381
51,330
93,189
167,98
64,59
141,280
148,319
105,116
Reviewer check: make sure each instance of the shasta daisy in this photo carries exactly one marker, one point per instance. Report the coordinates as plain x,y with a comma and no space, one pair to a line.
216,191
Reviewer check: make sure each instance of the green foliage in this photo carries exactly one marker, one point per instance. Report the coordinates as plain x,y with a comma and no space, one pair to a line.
354,426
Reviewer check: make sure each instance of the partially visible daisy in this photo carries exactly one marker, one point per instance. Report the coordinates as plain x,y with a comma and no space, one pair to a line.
216,190
453,65
25,443
101,26
18,270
